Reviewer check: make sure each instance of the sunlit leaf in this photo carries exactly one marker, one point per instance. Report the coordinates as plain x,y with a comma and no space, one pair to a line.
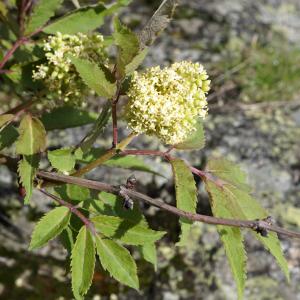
117,261
50,226
82,263
229,191
95,78
126,230
84,19
186,195
32,136
62,159
4,119
149,254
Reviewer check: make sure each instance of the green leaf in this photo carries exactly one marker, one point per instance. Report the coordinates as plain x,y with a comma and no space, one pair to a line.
32,136
62,159
231,192
117,261
84,19
125,162
231,238
42,12
56,119
77,193
186,195
27,169
8,136
149,254
95,78
50,226
4,119
67,238
98,127
136,62
82,263
126,230
128,46
195,141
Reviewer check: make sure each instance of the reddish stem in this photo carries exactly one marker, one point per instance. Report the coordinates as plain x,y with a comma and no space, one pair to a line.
15,46
73,209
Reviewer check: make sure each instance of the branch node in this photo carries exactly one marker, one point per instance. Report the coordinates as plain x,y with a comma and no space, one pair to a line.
128,202
258,226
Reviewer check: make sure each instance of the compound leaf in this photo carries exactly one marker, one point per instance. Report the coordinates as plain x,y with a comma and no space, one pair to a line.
50,226
229,192
117,261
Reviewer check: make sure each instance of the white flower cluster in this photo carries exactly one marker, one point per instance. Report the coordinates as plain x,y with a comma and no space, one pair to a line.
167,102
58,73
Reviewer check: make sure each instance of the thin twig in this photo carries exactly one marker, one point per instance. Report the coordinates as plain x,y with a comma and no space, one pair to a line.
73,210
114,115
100,186
106,156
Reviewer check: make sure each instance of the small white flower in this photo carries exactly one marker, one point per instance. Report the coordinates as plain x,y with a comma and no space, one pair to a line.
167,102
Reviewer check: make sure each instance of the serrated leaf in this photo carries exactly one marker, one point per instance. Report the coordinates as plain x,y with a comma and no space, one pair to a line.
126,230
62,159
32,136
125,162
95,78
82,263
27,169
128,46
83,20
232,240
229,172
50,226
4,119
8,136
149,254
42,12
196,140
233,195
186,195
98,127
56,119
117,261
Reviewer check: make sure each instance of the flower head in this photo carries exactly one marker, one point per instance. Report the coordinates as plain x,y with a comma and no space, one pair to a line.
59,74
167,102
